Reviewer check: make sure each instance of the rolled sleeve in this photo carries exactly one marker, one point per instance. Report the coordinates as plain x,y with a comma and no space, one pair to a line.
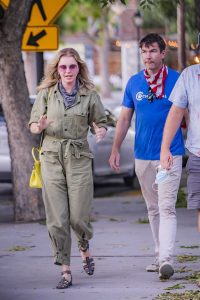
39,107
97,113
179,96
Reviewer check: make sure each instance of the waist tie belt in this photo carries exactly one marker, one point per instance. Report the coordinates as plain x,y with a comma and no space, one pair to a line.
76,144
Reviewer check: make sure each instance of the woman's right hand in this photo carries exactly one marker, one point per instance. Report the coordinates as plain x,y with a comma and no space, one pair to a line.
42,124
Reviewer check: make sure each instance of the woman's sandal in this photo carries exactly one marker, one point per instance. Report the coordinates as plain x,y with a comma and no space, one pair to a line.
88,262
64,283
88,265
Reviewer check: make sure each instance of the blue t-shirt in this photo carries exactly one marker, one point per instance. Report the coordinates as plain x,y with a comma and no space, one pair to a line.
151,116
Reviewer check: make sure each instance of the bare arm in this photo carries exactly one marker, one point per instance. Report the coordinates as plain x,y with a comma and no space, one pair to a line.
171,126
122,127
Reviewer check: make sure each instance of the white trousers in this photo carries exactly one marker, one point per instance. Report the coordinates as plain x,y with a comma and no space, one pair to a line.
161,201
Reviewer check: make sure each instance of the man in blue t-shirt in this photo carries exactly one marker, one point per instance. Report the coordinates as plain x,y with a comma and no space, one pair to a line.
147,94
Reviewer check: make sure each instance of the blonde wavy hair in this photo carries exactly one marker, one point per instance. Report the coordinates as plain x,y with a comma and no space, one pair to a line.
52,76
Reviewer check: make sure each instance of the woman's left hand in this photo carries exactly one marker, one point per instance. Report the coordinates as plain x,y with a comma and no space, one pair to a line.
100,132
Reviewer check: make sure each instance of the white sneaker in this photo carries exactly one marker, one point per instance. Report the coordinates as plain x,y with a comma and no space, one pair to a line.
166,270
154,267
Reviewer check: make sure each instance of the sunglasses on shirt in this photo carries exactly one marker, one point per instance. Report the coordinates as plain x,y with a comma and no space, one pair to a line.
63,68
151,96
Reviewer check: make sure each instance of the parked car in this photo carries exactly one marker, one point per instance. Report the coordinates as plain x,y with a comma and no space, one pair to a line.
5,164
101,151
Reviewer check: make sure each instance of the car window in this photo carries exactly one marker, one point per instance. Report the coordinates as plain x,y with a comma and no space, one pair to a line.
2,119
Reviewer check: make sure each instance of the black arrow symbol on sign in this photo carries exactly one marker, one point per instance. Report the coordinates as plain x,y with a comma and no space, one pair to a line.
32,40
41,9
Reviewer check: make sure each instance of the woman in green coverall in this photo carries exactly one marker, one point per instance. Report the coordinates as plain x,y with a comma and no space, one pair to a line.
66,106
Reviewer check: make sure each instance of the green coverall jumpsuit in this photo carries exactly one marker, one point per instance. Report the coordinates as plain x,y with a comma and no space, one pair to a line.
66,165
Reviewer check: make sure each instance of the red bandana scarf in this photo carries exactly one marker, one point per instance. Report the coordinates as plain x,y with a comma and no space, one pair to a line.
156,81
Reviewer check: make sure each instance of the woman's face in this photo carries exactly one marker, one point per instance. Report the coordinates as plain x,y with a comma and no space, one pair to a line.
68,70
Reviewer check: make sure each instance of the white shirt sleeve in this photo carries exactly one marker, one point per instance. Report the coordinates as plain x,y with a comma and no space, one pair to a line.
179,95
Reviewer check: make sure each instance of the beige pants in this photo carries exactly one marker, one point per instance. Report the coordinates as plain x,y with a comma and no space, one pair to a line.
160,200
67,195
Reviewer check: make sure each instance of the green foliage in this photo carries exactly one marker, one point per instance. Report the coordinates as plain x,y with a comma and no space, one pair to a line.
20,248
194,277
163,13
43,222
143,221
107,2
185,258
187,295
75,16
175,287
181,199
190,247
147,4
183,270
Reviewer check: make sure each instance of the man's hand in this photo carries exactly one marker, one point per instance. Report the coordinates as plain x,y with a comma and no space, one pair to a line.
166,159
100,132
114,160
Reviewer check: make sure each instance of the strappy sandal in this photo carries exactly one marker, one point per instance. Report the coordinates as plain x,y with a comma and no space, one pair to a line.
64,283
88,262
88,265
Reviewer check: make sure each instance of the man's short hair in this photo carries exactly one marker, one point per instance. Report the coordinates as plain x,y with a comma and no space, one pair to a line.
151,38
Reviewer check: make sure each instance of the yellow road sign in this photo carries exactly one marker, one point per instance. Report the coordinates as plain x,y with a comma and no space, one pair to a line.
38,35
4,3
40,38
45,12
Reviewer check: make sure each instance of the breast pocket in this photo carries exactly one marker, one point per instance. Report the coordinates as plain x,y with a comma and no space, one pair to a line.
81,124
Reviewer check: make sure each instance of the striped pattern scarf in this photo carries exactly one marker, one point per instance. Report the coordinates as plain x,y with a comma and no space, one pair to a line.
157,81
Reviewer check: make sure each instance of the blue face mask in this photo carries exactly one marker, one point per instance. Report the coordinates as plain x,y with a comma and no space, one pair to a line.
161,175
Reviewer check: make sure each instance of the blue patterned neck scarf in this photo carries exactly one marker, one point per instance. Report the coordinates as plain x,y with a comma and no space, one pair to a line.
68,98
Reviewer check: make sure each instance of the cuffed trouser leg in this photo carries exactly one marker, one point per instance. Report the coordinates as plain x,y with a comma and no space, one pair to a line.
161,204
67,194
167,193
55,198
146,173
80,189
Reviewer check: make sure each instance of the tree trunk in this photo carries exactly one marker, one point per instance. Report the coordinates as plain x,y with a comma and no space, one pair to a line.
181,35
104,55
16,106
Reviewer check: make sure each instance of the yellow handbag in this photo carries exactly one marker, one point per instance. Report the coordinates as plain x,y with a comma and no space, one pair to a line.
36,178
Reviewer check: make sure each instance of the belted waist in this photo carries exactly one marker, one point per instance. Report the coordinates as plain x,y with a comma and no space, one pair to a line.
80,146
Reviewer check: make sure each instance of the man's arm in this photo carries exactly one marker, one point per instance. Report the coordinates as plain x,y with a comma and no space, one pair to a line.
122,127
172,124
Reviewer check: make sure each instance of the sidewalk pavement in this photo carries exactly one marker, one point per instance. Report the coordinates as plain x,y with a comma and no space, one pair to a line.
122,247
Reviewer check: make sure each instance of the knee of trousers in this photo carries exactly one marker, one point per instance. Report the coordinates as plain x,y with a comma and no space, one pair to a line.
153,210
82,228
167,210
79,225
